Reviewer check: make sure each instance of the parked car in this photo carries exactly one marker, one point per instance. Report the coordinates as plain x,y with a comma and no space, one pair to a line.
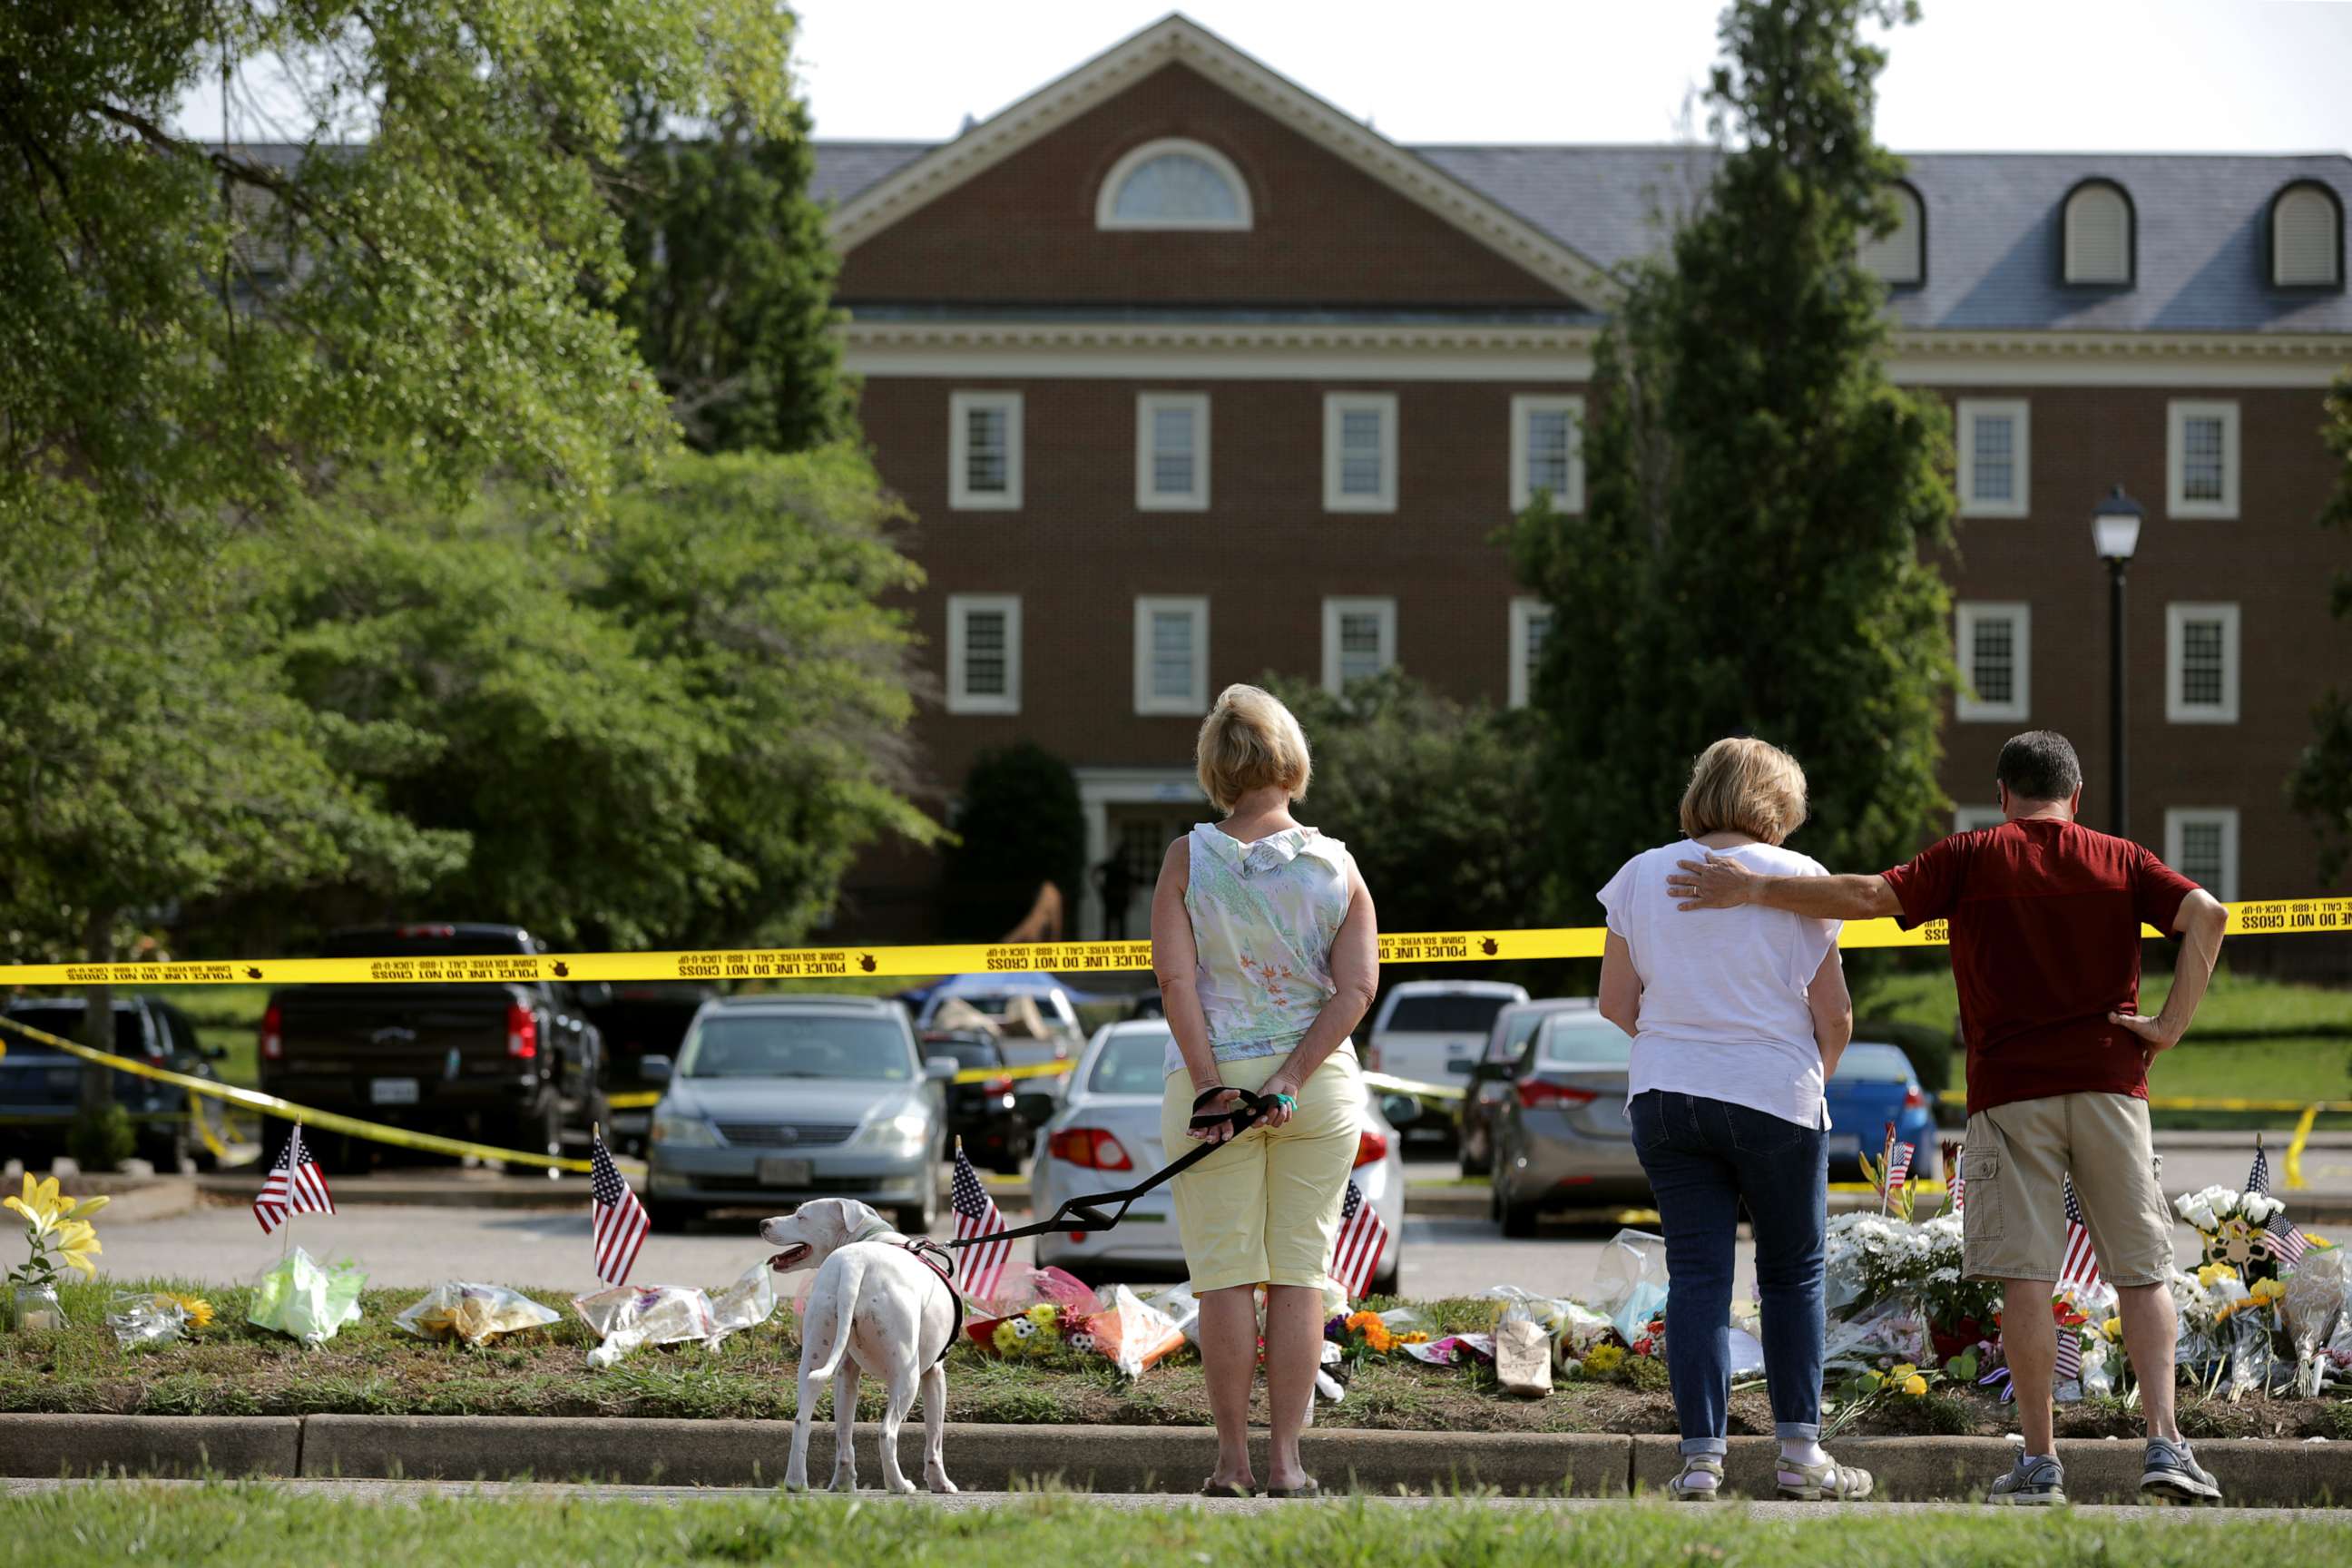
985,1115
1033,1016
511,1063
1875,1084
638,1020
776,1099
1431,1031
1562,1140
1490,1079
40,1087
1107,1135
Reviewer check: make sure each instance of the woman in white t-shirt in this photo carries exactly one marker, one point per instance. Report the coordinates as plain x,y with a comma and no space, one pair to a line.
1738,1017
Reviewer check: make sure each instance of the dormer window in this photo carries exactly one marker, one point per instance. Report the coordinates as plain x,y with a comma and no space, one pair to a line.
2100,246
1173,184
2306,238
1899,257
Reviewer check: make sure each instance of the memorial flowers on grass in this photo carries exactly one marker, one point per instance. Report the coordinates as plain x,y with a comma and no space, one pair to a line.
53,1235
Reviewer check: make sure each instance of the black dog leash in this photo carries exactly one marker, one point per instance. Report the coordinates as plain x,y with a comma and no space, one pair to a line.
1082,1212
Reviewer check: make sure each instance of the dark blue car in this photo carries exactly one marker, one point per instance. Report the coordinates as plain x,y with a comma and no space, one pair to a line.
1874,1084
40,1087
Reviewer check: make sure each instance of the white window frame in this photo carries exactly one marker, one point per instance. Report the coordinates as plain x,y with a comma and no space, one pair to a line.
1966,706
2020,413
1147,499
959,609
2178,709
2176,818
1195,701
1969,818
961,497
1571,498
2177,413
1106,196
1333,611
1523,612
1336,405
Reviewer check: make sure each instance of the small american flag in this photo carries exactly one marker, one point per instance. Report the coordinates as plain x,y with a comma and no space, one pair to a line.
618,1220
2287,1243
1955,1179
2082,1262
2069,1365
294,1185
1356,1252
1898,1173
976,1220
2258,1180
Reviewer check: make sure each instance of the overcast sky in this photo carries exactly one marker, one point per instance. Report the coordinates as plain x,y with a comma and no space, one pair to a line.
2049,74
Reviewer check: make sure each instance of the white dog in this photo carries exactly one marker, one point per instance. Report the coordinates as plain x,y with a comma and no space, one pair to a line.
876,1305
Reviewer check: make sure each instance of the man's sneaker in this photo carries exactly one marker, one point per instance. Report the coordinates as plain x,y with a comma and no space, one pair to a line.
2171,1472
2033,1481
1830,1482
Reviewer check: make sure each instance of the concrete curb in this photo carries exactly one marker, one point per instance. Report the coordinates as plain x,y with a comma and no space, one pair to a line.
151,1445
1110,1460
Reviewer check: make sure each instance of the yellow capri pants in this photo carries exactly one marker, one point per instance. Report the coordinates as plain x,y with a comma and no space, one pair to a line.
1265,1208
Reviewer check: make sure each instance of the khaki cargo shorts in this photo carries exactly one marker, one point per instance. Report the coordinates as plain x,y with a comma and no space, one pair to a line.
2014,1207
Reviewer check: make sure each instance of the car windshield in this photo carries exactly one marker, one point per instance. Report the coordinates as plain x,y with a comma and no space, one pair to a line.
1873,1064
1129,1063
1515,1030
1443,1014
798,1045
65,1023
967,1053
1585,1042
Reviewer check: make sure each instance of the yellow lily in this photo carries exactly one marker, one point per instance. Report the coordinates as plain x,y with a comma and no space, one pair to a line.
83,1208
1914,1385
77,1244
39,1204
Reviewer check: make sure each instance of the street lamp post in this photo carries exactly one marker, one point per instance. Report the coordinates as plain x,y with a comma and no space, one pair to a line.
2115,534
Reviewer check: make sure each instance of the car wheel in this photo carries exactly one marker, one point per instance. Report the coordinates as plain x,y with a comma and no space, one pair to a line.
914,1219
165,1145
1518,1219
1478,1156
1385,1282
541,1132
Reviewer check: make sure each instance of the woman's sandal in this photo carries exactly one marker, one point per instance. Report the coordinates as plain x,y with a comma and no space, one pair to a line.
1224,1488
1310,1489
1680,1491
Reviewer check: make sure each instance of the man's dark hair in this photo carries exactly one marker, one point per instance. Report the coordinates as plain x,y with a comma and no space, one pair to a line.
2040,764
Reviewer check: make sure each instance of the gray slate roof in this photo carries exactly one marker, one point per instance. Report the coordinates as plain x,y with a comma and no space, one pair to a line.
1993,226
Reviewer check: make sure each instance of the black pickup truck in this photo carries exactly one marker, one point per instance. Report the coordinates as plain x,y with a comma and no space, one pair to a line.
513,1064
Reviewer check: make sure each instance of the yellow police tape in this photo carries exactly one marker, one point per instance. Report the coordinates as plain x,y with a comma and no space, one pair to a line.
327,1120
2275,917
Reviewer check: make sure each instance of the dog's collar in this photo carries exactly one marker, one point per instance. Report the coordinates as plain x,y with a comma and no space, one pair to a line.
880,1226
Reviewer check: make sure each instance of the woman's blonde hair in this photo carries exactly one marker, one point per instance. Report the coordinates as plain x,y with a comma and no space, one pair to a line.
1743,785
1248,742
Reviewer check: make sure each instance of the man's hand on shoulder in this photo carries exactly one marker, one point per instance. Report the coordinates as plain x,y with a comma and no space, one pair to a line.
1714,883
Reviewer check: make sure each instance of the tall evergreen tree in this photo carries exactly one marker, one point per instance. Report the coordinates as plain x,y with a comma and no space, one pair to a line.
1761,501
2321,784
732,288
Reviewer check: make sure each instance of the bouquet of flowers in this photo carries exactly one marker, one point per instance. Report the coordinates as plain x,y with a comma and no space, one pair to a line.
2235,1225
1361,1335
1876,1259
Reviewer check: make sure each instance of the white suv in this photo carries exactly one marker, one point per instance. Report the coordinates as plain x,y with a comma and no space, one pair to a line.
1433,1030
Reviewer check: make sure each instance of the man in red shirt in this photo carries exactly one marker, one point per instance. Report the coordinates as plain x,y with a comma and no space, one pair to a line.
2045,919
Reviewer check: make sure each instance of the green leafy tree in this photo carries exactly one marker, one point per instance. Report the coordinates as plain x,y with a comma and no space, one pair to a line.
2321,784
679,730
197,336
732,285
1430,796
1762,503
1018,825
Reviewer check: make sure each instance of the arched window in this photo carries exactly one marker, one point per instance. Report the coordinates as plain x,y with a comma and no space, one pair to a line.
1899,257
2099,240
1173,184
2306,238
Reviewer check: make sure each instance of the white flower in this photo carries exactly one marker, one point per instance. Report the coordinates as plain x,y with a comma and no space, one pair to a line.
2260,1208
2201,1215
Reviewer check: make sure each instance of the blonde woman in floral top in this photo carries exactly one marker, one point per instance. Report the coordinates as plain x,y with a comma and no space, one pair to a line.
1263,942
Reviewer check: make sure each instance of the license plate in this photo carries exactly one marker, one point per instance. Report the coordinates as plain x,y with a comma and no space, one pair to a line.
782,1172
1843,1145
392,1091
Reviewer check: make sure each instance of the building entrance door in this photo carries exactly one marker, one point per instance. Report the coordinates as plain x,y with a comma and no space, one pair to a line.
1140,837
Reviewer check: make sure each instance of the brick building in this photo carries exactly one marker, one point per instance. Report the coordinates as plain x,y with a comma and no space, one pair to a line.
1189,375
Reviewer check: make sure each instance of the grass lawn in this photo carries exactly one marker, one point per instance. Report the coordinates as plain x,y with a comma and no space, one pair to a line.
373,1367
1921,992
254,1523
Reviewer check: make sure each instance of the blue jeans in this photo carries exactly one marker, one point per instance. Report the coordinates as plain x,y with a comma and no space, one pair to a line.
1703,1157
